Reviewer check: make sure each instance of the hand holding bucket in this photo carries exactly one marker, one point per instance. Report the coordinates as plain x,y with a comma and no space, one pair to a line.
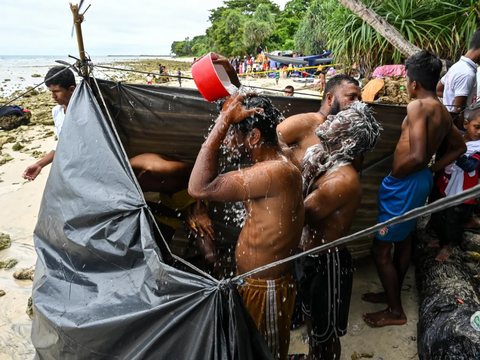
214,76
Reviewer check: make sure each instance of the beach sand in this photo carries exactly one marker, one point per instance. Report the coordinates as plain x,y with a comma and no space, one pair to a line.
20,201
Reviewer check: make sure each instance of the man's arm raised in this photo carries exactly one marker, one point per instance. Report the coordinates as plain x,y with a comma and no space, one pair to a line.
205,181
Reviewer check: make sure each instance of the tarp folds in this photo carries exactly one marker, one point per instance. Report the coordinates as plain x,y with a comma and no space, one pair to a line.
101,290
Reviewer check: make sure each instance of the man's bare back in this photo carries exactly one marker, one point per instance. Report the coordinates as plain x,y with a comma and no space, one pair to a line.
427,116
330,207
274,223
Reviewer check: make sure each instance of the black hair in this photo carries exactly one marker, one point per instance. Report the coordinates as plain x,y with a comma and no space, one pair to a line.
64,79
424,68
289,87
266,122
338,80
474,114
475,41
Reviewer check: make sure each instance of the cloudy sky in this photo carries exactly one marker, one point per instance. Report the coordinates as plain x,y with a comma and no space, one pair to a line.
43,27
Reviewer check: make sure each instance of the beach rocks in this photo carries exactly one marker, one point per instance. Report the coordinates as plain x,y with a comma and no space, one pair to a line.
29,310
2,293
17,147
8,264
25,274
4,158
5,241
13,121
38,154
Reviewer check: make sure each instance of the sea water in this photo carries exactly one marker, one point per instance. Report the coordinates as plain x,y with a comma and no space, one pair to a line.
18,69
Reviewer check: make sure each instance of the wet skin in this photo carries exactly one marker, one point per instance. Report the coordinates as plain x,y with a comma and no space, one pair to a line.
330,206
427,124
271,190
298,131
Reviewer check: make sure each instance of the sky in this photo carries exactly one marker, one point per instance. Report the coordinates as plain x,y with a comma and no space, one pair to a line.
111,27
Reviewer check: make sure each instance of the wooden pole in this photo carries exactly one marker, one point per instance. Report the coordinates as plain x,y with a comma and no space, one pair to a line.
77,22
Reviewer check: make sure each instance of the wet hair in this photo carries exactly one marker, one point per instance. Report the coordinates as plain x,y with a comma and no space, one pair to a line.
475,41
338,80
289,87
266,122
64,79
424,68
355,133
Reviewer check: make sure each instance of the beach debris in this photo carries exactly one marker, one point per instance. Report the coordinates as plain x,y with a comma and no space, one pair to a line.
363,355
38,154
2,293
8,264
25,274
29,310
470,242
36,75
5,158
17,147
48,134
13,121
5,241
6,80
475,321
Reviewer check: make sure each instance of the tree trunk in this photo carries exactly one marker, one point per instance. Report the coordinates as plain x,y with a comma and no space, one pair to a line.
383,27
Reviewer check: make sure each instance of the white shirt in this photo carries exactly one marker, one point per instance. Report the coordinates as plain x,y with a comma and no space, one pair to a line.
460,80
58,114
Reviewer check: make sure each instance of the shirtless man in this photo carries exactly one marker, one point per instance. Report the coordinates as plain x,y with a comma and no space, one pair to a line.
332,196
407,187
272,192
164,183
298,131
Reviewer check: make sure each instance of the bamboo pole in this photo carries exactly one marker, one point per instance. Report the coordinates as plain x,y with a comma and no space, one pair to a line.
77,22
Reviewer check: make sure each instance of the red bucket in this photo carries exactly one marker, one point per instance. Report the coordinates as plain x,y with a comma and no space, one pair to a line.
212,80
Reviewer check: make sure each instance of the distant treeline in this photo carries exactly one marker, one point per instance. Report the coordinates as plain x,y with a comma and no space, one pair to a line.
308,26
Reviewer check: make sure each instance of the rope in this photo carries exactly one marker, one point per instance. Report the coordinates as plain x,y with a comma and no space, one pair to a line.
190,78
142,72
140,191
436,206
26,92
293,69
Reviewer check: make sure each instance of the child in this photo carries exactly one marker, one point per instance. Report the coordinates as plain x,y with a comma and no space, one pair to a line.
149,79
179,74
455,178
277,76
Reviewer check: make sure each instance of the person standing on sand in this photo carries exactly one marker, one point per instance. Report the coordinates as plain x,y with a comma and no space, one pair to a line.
332,194
407,187
458,177
271,190
179,74
458,87
62,87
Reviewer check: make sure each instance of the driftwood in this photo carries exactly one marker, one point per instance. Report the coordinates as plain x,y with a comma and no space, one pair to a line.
449,298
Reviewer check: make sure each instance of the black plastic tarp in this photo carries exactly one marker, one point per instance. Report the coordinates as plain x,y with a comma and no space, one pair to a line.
101,290
174,121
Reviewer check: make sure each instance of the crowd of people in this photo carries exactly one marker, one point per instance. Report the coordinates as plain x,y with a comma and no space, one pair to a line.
303,191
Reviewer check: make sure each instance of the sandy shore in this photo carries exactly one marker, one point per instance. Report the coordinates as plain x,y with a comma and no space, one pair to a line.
20,202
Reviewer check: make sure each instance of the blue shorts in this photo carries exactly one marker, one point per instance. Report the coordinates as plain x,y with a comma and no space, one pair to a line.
396,197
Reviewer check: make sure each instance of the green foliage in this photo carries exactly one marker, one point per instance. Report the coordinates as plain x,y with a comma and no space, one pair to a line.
438,26
239,26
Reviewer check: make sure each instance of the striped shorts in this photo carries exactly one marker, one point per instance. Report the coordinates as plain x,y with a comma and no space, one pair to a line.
270,304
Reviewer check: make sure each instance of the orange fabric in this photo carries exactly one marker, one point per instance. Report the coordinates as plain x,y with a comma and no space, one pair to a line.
372,89
271,303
